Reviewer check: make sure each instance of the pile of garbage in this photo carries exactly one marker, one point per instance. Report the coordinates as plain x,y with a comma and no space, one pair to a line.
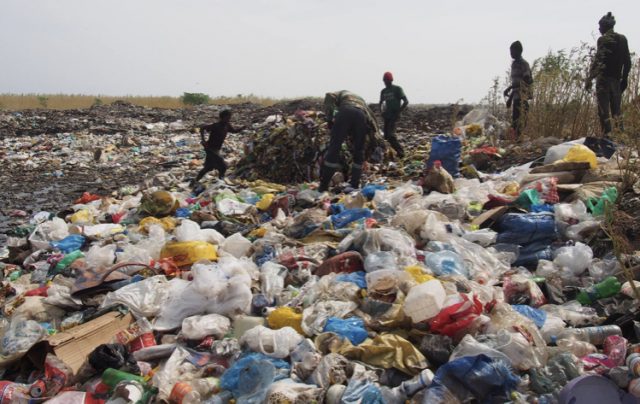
499,287
303,135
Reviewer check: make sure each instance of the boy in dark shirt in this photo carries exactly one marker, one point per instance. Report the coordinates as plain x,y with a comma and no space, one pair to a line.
519,92
395,101
217,134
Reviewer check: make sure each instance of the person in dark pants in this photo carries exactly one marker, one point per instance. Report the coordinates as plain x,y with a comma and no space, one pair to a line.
217,134
610,68
349,117
394,101
519,92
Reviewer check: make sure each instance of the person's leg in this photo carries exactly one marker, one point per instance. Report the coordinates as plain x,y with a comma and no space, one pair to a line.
219,164
332,155
515,116
524,114
208,166
616,103
359,136
390,135
604,102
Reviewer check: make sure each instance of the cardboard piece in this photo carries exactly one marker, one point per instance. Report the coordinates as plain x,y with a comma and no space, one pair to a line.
561,166
486,219
74,346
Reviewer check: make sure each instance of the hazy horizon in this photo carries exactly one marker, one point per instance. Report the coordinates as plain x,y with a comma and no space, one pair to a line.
439,53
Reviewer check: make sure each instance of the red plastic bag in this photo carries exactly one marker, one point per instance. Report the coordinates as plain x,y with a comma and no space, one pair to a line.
347,262
456,318
87,197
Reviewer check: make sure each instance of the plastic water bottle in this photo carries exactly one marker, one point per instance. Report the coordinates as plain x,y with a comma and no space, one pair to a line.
111,377
633,363
594,335
419,382
607,288
68,260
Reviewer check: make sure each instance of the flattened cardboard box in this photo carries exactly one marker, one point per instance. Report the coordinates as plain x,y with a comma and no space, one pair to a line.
74,346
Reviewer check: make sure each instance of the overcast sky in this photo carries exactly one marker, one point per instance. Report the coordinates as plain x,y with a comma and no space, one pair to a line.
438,51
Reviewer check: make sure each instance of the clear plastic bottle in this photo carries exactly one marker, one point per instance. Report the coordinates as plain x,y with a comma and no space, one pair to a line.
594,335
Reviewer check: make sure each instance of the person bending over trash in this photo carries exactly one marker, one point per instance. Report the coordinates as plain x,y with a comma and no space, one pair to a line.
610,68
519,92
394,101
348,116
217,134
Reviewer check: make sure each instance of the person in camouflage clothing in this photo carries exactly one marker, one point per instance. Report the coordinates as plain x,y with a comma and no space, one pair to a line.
348,115
610,68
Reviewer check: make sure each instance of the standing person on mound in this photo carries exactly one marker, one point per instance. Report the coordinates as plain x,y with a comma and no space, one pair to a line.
348,115
217,134
610,68
394,101
519,92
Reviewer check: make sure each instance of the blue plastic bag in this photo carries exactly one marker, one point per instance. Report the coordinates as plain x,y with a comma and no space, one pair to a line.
369,190
521,229
69,244
351,328
477,377
250,376
531,253
536,315
446,263
336,208
361,391
545,207
359,278
345,217
183,212
447,149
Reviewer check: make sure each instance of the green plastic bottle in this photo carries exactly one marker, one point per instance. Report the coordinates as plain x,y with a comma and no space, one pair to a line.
607,288
111,377
68,260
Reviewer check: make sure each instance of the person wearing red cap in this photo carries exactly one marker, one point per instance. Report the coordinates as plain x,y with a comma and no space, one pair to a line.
392,102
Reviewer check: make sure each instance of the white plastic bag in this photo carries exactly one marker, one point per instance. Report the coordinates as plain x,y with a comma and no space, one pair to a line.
236,245
54,230
145,298
574,258
483,237
272,279
274,343
198,327
100,256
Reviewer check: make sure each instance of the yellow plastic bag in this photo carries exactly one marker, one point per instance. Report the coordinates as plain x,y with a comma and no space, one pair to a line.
417,274
168,223
258,233
266,201
285,317
82,216
581,154
188,252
